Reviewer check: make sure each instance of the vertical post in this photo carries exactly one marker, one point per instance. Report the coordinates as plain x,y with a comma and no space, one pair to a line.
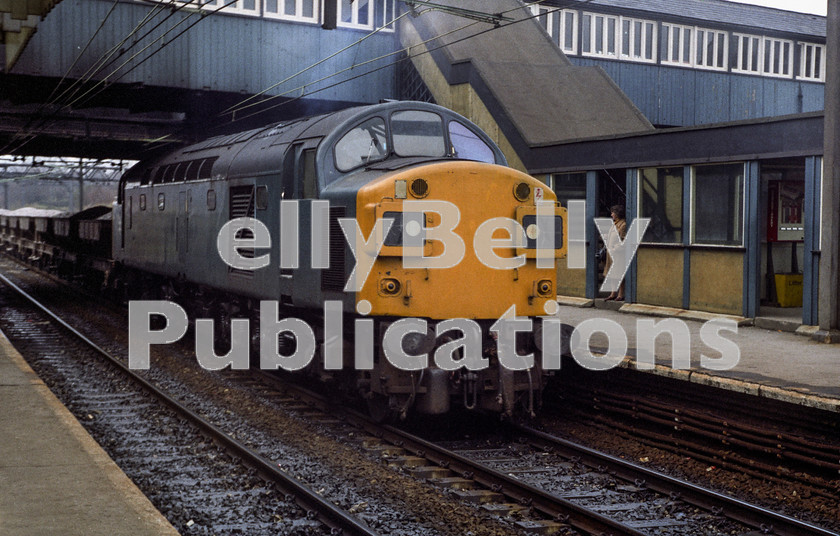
631,213
810,289
591,234
81,185
686,238
829,305
752,239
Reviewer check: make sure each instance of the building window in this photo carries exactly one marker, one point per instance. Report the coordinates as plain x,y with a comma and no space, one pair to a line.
717,199
691,46
614,37
811,62
778,57
661,200
300,10
561,25
763,55
568,187
384,12
355,14
748,49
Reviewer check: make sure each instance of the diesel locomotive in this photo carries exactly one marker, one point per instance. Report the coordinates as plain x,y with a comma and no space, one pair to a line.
460,242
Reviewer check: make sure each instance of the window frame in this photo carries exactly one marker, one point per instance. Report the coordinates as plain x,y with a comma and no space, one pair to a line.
555,22
818,67
615,35
298,15
762,68
693,206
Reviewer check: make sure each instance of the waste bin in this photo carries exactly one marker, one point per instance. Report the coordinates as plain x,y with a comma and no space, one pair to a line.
789,290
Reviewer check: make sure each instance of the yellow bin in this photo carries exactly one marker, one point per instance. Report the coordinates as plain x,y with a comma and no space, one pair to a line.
789,290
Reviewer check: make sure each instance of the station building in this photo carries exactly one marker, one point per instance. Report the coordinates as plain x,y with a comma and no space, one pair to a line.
726,163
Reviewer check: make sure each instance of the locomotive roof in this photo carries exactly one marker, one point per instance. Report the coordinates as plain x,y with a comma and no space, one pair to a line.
261,150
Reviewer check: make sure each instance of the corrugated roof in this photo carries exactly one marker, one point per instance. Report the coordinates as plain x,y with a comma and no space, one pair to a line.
720,11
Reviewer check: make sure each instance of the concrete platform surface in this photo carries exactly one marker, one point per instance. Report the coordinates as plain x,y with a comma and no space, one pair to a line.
772,363
54,478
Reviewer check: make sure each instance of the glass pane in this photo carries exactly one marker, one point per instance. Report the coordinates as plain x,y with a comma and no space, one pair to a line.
467,145
718,204
611,37
364,12
250,5
346,11
721,52
309,8
417,133
599,35
568,36
587,33
569,186
661,200
364,144
271,6
687,46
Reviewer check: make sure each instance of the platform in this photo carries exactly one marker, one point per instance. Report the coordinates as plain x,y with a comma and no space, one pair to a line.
774,363
54,478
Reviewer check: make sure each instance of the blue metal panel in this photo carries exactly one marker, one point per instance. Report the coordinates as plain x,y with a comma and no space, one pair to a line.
780,97
233,53
813,96
811,264
752,240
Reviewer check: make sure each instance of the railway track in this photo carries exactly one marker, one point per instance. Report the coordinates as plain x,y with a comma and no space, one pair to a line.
472,475
778,442
499,479
312,506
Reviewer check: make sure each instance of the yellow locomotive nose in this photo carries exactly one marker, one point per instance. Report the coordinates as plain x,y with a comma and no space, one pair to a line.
488,210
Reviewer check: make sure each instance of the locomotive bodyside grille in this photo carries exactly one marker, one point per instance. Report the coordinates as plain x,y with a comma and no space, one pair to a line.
241,205
332,278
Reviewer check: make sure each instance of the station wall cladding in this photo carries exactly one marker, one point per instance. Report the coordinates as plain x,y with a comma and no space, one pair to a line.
258,49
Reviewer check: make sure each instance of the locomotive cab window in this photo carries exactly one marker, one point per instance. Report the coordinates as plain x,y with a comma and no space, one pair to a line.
366,143
467,145
418,133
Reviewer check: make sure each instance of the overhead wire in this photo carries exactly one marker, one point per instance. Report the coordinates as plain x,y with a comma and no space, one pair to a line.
243,104
427,51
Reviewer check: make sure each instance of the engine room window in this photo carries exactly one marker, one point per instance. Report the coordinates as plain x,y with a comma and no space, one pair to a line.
142,201
467,145
417,133
366,143
161,201
211,199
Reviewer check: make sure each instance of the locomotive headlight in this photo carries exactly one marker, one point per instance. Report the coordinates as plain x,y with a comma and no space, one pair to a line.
522,191
419,188
544,287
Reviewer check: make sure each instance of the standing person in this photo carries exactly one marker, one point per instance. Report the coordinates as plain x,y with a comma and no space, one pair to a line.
619,230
